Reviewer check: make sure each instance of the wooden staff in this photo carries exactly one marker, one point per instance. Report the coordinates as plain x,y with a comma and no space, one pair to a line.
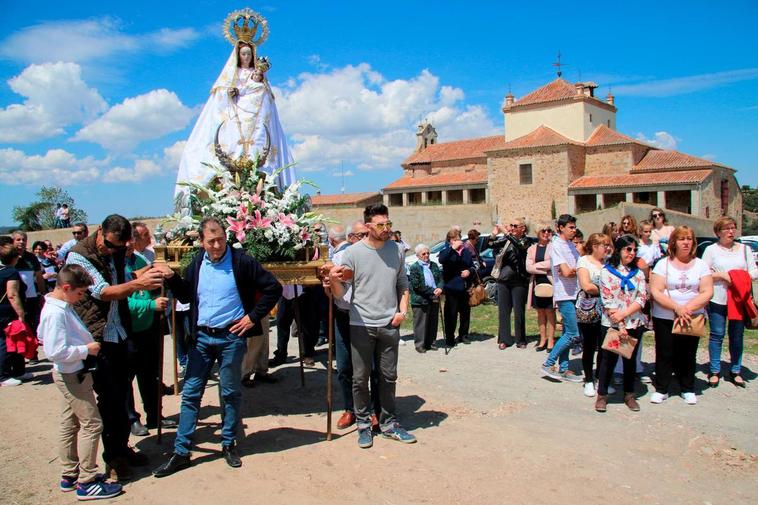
442,317
329,399
160,373
173,339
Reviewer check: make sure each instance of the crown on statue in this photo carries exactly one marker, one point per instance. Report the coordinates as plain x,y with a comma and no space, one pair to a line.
244,25
262,64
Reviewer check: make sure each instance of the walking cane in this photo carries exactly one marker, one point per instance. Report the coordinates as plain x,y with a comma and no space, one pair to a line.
330,337
299,333
173,339
160,373
442,317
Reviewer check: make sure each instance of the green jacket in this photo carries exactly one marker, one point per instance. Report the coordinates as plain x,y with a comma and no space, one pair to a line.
421,294
141,303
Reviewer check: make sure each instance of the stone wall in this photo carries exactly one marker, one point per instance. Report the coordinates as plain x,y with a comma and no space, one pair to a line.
550,176
608,160
711,195
592,222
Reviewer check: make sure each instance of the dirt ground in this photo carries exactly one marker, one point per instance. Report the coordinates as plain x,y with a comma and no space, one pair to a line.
490,430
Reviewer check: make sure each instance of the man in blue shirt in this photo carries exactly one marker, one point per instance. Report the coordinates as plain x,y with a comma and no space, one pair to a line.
230,293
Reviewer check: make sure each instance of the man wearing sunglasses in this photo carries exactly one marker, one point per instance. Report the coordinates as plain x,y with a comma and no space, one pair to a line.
105,312
375,269
80,232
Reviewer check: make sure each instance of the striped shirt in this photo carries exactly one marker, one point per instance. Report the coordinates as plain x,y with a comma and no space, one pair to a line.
114,331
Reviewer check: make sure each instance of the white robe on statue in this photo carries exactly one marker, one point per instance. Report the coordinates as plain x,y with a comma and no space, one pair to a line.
243,120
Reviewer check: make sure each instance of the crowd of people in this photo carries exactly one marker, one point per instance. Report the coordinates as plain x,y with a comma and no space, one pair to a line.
95,305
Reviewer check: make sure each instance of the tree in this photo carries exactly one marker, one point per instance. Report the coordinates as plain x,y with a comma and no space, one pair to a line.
553,212
40,214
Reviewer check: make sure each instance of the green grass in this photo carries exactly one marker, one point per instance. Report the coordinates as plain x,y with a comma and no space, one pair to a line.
484,321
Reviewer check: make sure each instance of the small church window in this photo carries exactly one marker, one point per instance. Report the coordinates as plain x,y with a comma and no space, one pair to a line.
609,123
590,118
525,173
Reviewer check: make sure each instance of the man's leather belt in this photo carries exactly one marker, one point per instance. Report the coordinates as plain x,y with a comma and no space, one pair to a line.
214,331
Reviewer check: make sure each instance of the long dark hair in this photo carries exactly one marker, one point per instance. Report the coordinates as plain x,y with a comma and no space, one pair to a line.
621,242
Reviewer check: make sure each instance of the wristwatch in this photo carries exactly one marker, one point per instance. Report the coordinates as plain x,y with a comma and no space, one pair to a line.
404,314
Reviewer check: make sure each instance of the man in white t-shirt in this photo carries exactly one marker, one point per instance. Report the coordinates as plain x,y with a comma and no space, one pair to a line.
563,257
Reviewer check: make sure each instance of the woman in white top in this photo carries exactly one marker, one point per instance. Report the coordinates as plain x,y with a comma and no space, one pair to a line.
661,227
624,293
722,257
681,285
588,272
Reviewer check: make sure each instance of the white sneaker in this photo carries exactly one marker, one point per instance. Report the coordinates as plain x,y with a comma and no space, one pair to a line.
611,389
402,342
25,377
10,382
589,389
689,398
658,397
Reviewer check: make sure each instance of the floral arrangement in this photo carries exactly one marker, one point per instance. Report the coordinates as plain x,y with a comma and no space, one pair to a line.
269,224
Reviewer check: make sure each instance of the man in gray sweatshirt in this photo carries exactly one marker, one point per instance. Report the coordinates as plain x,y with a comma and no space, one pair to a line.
375,269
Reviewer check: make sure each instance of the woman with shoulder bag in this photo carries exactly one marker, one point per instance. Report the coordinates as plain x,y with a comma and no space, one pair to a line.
541,286
722,257
624,293
681,285
457,271
588,306
512,285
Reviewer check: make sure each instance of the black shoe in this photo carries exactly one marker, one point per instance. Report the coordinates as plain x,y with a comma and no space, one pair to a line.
421,350
521,345
139,430
432,347
136,458
321,341
277,361
231,456
165,423
264,377
173,465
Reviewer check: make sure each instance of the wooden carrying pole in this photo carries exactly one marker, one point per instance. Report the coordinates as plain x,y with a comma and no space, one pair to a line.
299,332
330,344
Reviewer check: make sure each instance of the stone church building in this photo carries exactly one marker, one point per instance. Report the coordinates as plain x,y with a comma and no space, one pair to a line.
560,149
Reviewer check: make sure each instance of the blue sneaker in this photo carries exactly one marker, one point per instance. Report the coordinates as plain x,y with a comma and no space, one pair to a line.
97,490
396,432
68,484
365,438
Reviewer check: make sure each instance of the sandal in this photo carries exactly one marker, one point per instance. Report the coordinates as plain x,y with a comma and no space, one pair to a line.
738,380
714,383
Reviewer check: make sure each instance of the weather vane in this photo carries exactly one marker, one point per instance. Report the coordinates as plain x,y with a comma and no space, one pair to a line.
558,64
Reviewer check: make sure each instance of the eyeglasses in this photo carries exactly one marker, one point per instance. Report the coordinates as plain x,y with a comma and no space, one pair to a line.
359,235
546,230
425,253
111,245
656,215
77,232
630,249
382,226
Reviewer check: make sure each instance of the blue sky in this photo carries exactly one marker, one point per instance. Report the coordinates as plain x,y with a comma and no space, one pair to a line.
97,97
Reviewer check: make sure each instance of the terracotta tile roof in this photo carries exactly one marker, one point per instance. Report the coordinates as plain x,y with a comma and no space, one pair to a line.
457,150
557,90
637,180
603,136
443,179
661,159
541,136
342,199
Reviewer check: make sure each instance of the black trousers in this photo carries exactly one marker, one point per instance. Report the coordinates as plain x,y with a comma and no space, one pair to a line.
607,363
112,384
511,298
309,319
143,364
674,354
456,303
592,341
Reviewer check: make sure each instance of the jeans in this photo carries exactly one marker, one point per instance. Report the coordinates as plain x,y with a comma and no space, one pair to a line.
511,298
569,337
374,347
344,357
229,349
182,335
718,320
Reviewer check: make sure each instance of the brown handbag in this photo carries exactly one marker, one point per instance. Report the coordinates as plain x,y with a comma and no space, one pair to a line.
696,328
615,344
476,293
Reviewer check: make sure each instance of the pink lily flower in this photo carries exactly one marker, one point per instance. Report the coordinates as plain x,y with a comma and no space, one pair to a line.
258,221
242,213
258,201
238,227
286,220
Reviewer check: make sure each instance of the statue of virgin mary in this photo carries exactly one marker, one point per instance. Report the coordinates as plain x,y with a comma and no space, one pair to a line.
239,121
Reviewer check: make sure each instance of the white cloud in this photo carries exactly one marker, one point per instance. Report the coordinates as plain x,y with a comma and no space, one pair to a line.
55,166
144,117
141,169
353,114
688,84
56,96
88,40
173,154
663,140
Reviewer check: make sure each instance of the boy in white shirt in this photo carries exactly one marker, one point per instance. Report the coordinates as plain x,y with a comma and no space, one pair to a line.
67,343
